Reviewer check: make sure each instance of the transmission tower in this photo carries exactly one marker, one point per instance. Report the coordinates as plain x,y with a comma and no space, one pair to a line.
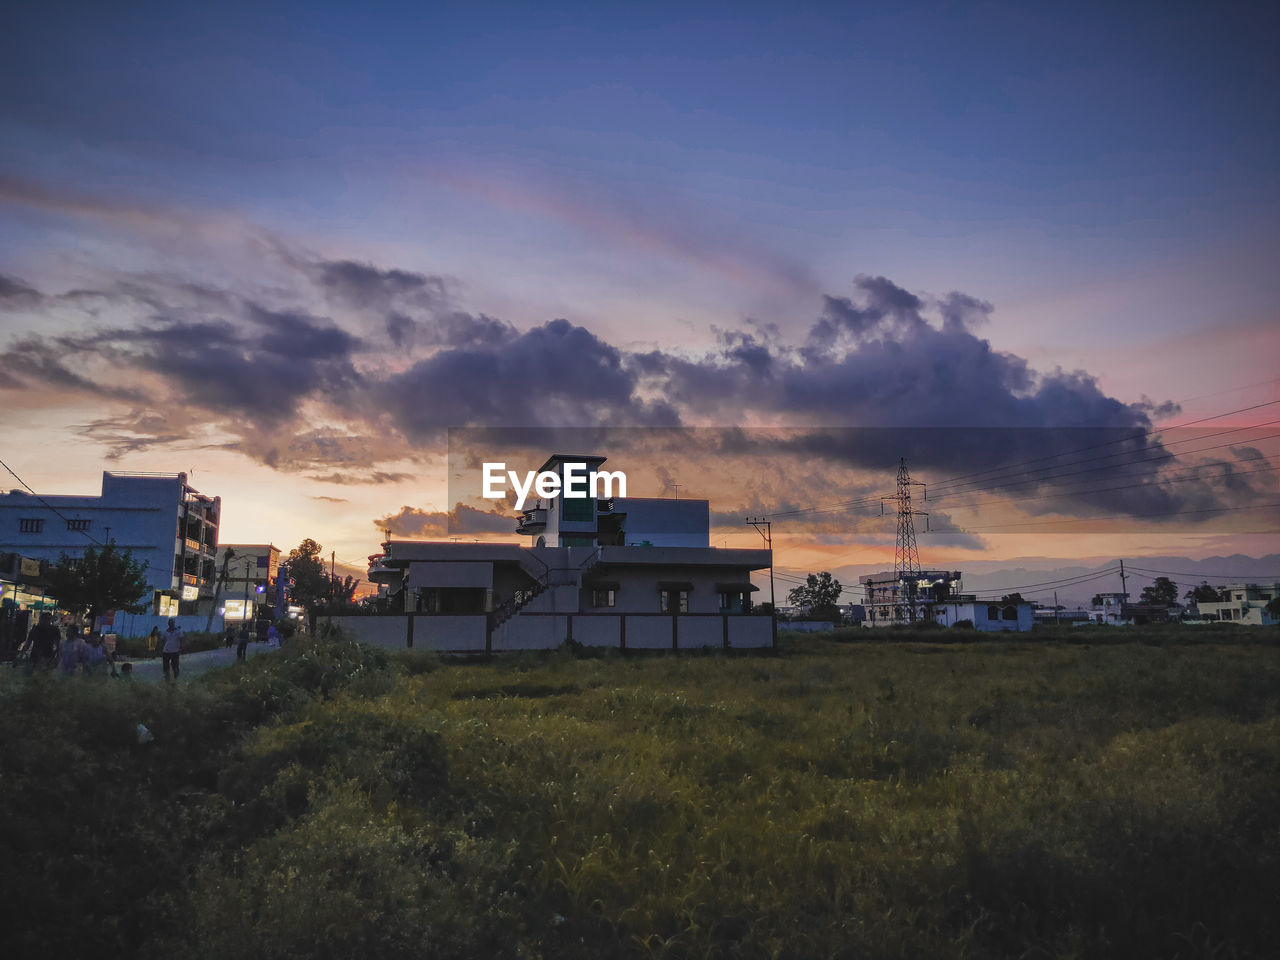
906,555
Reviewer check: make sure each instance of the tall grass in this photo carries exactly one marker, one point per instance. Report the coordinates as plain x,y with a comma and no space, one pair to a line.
840,799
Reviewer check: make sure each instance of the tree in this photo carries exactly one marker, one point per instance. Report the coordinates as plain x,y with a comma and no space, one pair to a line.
1012,598
820,592
102,580
342,593
308,581
1203,593
1162,591
1273,607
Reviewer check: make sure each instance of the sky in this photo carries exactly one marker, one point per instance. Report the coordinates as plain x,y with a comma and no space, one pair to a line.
286,247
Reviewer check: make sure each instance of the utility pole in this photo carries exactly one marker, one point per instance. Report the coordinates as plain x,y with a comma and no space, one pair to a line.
767,533
1057,610
1124,588
217,590
244,604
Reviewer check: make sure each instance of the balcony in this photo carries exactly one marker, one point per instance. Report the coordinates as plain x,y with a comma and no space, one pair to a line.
532,521
381,571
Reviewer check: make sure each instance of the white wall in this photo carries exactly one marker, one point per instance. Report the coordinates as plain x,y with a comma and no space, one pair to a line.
696,632
649,633
140,624
605,631
456,633
750,632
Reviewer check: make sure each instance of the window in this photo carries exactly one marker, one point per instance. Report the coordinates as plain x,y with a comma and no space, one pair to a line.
77,524
993,613
674,601
731,602
602,597
30,525
577,509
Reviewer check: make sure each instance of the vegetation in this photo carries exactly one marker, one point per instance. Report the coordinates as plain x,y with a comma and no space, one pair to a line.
312,587
1203,593
890,798
820,593
102,580
1161,591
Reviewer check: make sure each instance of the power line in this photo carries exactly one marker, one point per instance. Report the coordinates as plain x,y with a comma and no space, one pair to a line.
1131,516
1216,576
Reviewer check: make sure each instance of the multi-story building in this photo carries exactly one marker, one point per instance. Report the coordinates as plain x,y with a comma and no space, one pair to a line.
1242,603
249,585
898,597
623,572
1110,609
166,524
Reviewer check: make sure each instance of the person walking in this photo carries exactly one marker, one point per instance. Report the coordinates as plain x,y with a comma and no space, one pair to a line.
93,654
45,641
153,639
70,655
242,645
171,650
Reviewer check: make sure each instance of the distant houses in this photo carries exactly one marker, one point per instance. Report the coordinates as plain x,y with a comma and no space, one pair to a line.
1244,603
937,597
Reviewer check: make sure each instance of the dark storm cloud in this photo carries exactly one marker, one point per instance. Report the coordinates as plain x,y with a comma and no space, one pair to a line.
555,374
14,292
301,335
364,285
963,312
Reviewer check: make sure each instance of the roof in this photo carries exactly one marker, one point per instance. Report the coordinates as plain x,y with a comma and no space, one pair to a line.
589,460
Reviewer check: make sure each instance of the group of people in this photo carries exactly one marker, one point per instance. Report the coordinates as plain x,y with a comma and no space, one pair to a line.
87,652
240,638
90,652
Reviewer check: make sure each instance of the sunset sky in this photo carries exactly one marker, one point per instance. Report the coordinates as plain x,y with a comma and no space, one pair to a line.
285,247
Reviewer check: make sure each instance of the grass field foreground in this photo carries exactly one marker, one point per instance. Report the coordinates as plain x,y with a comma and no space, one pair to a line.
996,799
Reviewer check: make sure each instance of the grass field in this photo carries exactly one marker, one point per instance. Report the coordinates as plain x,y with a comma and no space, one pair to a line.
901,798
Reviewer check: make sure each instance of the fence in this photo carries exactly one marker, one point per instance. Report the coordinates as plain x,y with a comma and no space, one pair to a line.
547,631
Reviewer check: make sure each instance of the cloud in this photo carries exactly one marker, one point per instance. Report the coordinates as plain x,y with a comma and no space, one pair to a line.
881,373
373,477
411,522
556,374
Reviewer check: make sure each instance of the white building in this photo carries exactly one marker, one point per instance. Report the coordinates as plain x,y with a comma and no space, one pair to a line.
1109,609
629,573
167,525
249,586
896,597
984,615
1242,603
